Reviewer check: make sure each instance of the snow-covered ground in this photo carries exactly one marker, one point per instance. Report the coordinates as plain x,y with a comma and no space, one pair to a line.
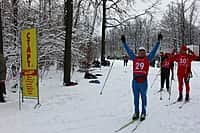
80,109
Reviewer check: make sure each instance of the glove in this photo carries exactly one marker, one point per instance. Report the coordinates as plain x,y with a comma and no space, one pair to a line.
190,51
160,37
123,39
174,51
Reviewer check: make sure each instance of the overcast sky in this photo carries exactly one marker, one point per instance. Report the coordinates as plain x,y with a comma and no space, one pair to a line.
141,6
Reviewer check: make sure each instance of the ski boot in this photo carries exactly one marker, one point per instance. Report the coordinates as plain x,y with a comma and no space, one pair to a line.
135,116
180,98
187,97
168,90
161,89
142,117
2,100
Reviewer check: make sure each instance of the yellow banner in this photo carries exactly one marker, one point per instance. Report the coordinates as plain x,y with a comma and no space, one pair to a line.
29,63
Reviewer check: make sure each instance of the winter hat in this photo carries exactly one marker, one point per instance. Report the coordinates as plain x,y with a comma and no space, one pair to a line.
184,47
142,49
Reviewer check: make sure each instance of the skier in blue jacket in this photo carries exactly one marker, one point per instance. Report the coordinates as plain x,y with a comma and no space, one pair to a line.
140,72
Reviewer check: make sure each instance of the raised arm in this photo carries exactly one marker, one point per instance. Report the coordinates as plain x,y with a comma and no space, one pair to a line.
192,55
153,51
128,50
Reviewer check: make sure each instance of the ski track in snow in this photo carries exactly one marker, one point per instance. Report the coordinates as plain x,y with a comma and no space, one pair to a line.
80,109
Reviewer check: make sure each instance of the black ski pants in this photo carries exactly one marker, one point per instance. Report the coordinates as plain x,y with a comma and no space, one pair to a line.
165,77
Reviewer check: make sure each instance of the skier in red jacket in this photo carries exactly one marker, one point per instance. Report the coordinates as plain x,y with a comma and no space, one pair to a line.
166,66
184,63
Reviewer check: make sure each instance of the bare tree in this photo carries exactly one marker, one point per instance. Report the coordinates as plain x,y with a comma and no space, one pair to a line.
68,11
15,23
139,33
122,18
178,24
103,32
1,28
192,20
96,5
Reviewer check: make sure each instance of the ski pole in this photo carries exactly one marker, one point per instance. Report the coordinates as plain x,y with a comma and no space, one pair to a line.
107,78
161,37
155,78
170,90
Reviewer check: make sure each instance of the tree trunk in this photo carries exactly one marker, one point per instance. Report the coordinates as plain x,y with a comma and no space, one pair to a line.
191,42
148,43
95,16
44,7
49,18
179,26
1,35
77,14
50,9
103,31
136,35
199,44
15,12
183,22
40,10
29,3
68,11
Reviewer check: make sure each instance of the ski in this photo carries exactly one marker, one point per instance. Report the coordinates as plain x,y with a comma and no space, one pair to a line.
181,106
161,96
126,125
159,91
170,90
136,127
172,103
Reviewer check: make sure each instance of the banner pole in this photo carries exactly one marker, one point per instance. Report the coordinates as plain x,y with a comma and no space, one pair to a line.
19,72
38,96
37,72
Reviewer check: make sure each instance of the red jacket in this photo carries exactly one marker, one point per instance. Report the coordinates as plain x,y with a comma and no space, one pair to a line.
167,62
184,62
140,68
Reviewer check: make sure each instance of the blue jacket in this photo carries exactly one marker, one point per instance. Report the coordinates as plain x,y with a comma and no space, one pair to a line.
150,56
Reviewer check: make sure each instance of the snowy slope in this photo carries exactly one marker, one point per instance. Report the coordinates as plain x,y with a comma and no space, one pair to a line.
80,109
